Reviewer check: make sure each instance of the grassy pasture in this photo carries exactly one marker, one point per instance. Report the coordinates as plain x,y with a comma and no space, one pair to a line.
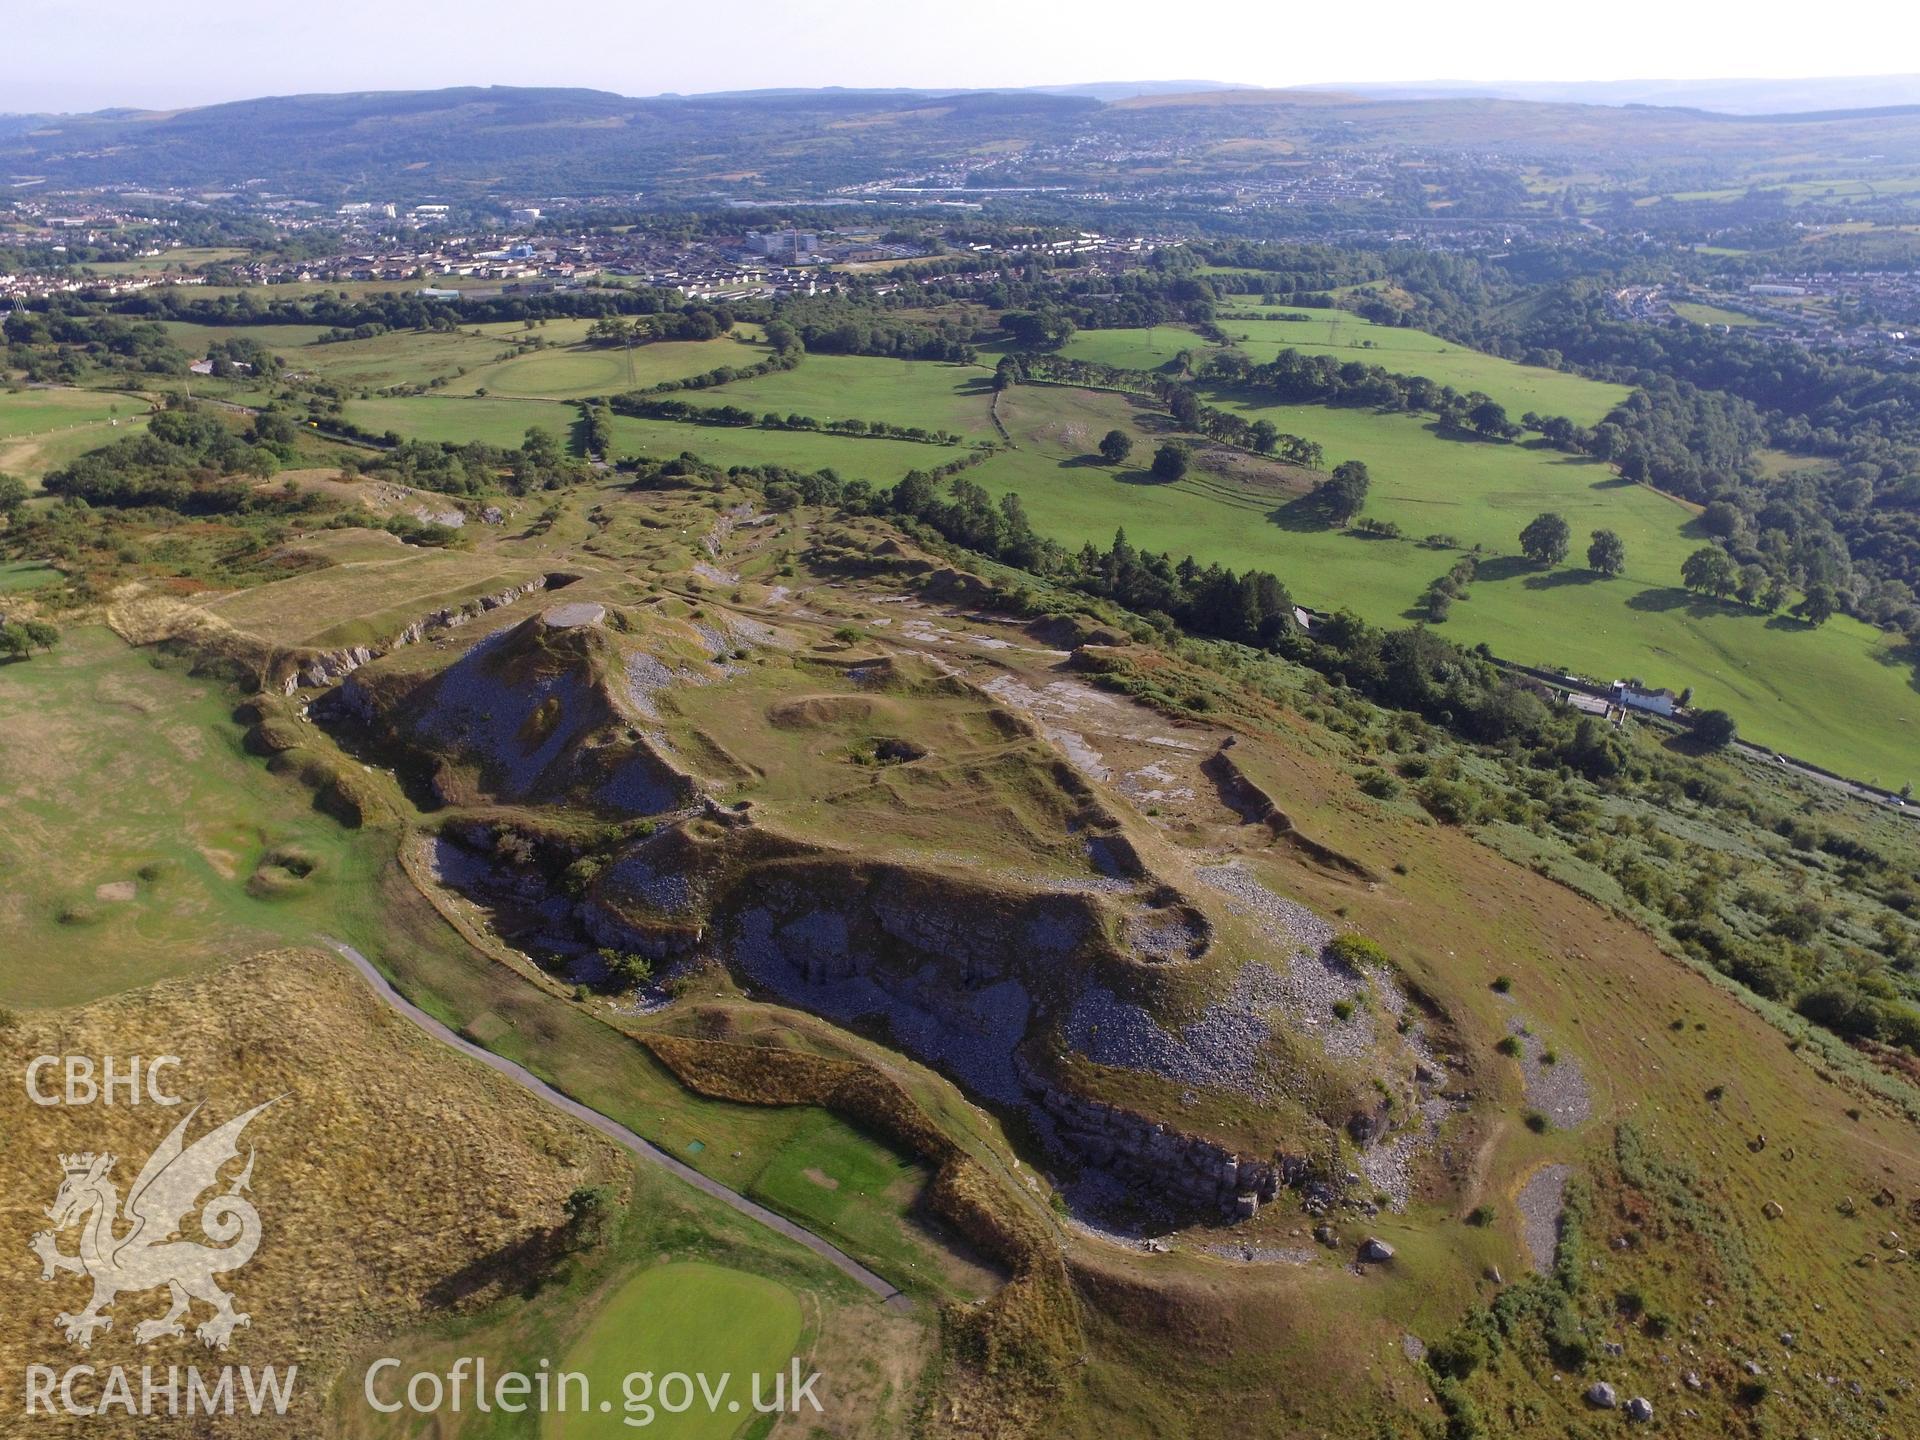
132,827
363,601
841,387
504,422
688,1317
285,340
399,357
179,262
1776,676
1346,337
26,575
41,430
580,370
1713,315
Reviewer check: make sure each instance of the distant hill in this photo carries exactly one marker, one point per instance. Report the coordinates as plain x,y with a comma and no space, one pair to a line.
1731,97
785,144
548,141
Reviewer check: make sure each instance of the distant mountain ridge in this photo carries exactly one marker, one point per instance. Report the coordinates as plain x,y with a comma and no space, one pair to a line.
789,144
1732,97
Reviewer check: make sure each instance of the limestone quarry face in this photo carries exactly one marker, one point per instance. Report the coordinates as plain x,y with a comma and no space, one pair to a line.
1008,982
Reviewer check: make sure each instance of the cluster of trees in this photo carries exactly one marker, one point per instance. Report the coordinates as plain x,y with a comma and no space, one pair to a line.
243,355
1545,539
695,322
1710,570
1046,329
1440,595
1087,301
596,429
1343,494
339,309
20,638
1262,437
190,459
1606,553
736,415
54,347
1324,380
827,326
476,468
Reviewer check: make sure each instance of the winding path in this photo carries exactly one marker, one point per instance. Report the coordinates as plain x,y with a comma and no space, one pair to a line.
889,1294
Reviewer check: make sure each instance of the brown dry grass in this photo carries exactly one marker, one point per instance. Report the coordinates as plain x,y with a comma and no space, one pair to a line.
388,1166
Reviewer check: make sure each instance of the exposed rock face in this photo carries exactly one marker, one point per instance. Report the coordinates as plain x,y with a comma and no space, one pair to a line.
331,665
1195,1170
958,979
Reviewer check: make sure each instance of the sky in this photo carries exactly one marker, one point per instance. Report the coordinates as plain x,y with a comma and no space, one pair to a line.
69,55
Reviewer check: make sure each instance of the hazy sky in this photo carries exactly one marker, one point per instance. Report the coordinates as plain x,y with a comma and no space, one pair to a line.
89,54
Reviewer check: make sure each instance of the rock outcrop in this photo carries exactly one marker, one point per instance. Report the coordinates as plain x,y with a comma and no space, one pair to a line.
317,669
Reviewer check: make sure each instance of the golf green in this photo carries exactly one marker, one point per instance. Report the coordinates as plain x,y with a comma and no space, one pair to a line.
687,1318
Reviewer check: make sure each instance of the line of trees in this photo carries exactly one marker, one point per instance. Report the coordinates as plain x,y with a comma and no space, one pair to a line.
1324,380
641,407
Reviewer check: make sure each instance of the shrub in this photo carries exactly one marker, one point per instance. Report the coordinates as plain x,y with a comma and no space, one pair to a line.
1356,952
1449,801
1459,1355
1378,784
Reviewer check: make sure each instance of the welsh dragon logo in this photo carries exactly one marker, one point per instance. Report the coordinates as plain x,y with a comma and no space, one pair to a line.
140,1249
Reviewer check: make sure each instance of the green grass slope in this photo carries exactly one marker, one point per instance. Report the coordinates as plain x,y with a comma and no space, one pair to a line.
1348,337
1784,682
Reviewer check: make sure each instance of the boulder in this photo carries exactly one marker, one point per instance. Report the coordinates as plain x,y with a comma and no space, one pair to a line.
1640,1408
1602,1396
1375,1251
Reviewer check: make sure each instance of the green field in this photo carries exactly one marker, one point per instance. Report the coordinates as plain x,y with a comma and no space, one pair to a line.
904,392
132,829
1348,337
1777,677
504,422
1713,315
829,1177
180,261
26,575
41,430
579,370
283,340
689,1318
